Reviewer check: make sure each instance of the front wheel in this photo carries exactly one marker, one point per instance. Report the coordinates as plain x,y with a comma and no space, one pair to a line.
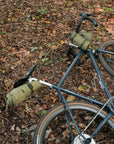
53,129
107,57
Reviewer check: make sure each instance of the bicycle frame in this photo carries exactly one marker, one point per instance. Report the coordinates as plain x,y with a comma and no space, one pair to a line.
106,106
62,99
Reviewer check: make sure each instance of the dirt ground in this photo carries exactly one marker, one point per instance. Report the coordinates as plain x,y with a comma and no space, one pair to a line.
37,32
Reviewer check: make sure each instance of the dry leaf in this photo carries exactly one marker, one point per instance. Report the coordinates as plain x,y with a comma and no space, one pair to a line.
48,22
44,106
13,127
54,100
54,32
53,47
80,88
18,130
61,42
112,20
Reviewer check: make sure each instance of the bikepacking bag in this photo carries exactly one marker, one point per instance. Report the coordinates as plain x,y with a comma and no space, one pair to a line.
19,94
82,40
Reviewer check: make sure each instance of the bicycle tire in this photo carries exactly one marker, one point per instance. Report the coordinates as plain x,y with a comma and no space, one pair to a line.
102,57
47,118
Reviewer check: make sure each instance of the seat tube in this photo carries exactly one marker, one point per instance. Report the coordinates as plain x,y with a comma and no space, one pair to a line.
99,73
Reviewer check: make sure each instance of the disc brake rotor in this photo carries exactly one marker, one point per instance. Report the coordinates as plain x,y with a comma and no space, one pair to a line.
80,140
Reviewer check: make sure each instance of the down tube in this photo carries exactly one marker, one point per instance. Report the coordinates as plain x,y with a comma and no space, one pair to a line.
69,69
99,73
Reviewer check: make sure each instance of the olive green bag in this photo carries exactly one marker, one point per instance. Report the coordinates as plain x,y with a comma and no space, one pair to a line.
20,93
82,40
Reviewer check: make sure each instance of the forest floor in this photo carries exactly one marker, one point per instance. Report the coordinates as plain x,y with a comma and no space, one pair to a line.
37,32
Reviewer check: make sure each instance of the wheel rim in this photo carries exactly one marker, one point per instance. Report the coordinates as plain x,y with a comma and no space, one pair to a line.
108,57
61,132
107,60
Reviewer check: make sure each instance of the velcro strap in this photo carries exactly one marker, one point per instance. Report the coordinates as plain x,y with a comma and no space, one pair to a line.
83,43
31,87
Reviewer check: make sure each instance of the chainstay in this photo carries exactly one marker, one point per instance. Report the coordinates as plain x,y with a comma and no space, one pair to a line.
97,114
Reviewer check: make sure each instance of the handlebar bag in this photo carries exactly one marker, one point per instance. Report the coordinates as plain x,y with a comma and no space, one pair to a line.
86,35
19,94
82,39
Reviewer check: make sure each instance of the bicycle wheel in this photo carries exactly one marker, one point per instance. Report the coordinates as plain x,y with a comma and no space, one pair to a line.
106,59
53,129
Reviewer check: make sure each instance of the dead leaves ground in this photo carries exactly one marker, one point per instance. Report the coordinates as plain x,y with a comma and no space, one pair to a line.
38,32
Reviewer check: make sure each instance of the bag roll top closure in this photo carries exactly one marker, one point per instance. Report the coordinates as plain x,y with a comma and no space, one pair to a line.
82,39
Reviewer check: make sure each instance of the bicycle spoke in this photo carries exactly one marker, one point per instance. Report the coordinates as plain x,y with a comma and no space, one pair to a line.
59,131
108,60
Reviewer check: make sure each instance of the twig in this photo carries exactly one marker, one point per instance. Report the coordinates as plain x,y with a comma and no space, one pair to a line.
43,62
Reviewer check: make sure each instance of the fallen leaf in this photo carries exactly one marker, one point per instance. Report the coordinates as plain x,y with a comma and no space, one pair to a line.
80,88
110,29
94,89
9,19
13,127
43,112
98,10
53,47
70,3
18,130
48,22
70,98
112,20
61,42
54,32
54,100
44,106
54,14
41,54
58,2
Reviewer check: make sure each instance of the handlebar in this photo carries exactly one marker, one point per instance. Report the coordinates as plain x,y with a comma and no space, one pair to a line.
29,73
24,79
84,17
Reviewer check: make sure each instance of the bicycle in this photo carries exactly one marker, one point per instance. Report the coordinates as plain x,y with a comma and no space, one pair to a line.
78,118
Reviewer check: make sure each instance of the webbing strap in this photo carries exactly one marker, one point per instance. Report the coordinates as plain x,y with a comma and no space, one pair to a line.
31,87
83,43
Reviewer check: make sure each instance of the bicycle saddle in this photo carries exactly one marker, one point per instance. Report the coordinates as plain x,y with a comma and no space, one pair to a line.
24,79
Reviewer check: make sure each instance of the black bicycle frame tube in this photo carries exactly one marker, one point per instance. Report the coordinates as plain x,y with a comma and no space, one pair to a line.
79,24
100,104
61,97
67,107
72,136
102,124
105,51
70,68
98,72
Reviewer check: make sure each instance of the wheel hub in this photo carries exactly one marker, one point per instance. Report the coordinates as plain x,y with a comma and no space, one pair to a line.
80,140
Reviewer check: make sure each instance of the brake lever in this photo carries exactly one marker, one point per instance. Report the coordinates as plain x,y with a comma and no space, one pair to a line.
29,73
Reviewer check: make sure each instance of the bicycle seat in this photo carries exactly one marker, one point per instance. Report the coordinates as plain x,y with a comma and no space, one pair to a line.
24,79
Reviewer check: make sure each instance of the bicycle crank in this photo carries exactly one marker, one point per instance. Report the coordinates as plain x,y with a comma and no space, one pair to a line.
80,140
